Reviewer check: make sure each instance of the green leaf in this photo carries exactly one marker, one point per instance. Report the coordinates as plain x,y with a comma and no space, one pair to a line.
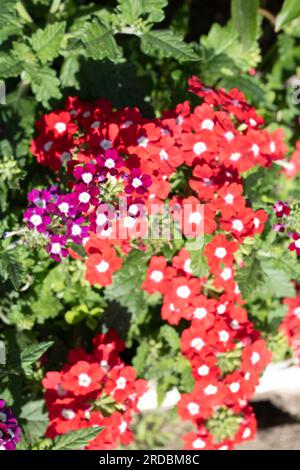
10,66
9,24
250,277
11,269
277,281
165,43
171,337
289,11
32,353
131,10
46,42
245,18
99,42
36,420
199,263
126,286
68,72
76,440
44,83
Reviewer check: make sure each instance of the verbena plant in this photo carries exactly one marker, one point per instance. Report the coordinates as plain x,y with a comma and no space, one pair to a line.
107,112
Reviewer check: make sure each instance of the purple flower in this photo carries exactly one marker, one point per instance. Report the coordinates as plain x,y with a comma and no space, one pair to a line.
110,162
137,182
281,209
85,173
57,247
85,196
10,432
77,231
37,218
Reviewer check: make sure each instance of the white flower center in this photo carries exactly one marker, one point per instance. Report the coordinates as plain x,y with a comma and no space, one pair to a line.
229,198
163,155
199,444
136,182
234,387
207,124
36,220
200,313
224,336
102,267
255,357
121,383
87,177
84,197
60,127
210,390
199,148
84,380
220,252
64,207
143,141
193,408
156,276
235,156
203,370
237,225
197,343
101,219
55,248
183,292
67,413
109,163
76,230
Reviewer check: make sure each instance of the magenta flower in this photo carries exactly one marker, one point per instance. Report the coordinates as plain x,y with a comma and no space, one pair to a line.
85,173
57,247
295,245
110,161
10,432
36,218
137,182
77,231
281,209
85,196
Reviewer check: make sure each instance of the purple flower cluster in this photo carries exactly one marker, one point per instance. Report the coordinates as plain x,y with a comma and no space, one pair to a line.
10,432
69,218
282,210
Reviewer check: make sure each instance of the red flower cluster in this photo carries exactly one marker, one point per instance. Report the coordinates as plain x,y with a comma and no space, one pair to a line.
191,158
95,389
290,325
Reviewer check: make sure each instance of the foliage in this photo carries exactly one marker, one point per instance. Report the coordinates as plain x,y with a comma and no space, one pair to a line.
134,53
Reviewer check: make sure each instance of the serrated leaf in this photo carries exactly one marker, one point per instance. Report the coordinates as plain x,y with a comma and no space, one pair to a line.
9,24
10,66
131,10
171,337
165,43
289,11
277,281
46,42
245,18
250,277
76,440
126,286
199,265
11,269
44,84
32,353
99,42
